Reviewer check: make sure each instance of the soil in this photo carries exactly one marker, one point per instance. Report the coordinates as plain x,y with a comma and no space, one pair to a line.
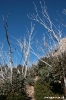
30,90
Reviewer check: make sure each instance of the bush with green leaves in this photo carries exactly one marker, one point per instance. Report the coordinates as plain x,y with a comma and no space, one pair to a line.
14,91
17,97
42,89
48,84
30,81
14,97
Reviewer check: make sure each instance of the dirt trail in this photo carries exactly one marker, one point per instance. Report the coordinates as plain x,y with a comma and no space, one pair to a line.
30,90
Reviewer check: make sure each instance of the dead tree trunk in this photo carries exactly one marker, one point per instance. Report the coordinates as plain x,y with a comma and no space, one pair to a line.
9,46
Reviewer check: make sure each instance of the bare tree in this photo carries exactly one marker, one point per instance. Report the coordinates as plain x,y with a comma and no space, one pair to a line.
26,49
25,46
10,49
54,33
43,18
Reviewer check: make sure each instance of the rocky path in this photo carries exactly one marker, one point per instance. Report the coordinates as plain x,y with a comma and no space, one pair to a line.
30,90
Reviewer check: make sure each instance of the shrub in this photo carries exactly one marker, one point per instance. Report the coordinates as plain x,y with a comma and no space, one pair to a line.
17,97
14,96
30,81
42,89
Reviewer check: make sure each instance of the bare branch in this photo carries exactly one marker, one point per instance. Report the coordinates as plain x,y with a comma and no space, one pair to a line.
43,18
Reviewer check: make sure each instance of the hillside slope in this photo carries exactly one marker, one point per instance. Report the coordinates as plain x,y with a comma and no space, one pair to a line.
61,48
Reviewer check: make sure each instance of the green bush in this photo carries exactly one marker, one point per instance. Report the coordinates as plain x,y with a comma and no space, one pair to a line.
42,89
22,96
30,81
15,91
17,97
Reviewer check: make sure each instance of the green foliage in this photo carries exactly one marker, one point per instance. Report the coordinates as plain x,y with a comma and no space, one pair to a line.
42,89
17,83
16,91
42,69
30,81
17,97
59,67
48,84
56,72
45,86
22,96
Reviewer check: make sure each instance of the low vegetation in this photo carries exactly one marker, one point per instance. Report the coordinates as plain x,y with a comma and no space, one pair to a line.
48,84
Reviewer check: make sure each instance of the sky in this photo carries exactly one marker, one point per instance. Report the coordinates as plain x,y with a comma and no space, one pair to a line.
18,21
